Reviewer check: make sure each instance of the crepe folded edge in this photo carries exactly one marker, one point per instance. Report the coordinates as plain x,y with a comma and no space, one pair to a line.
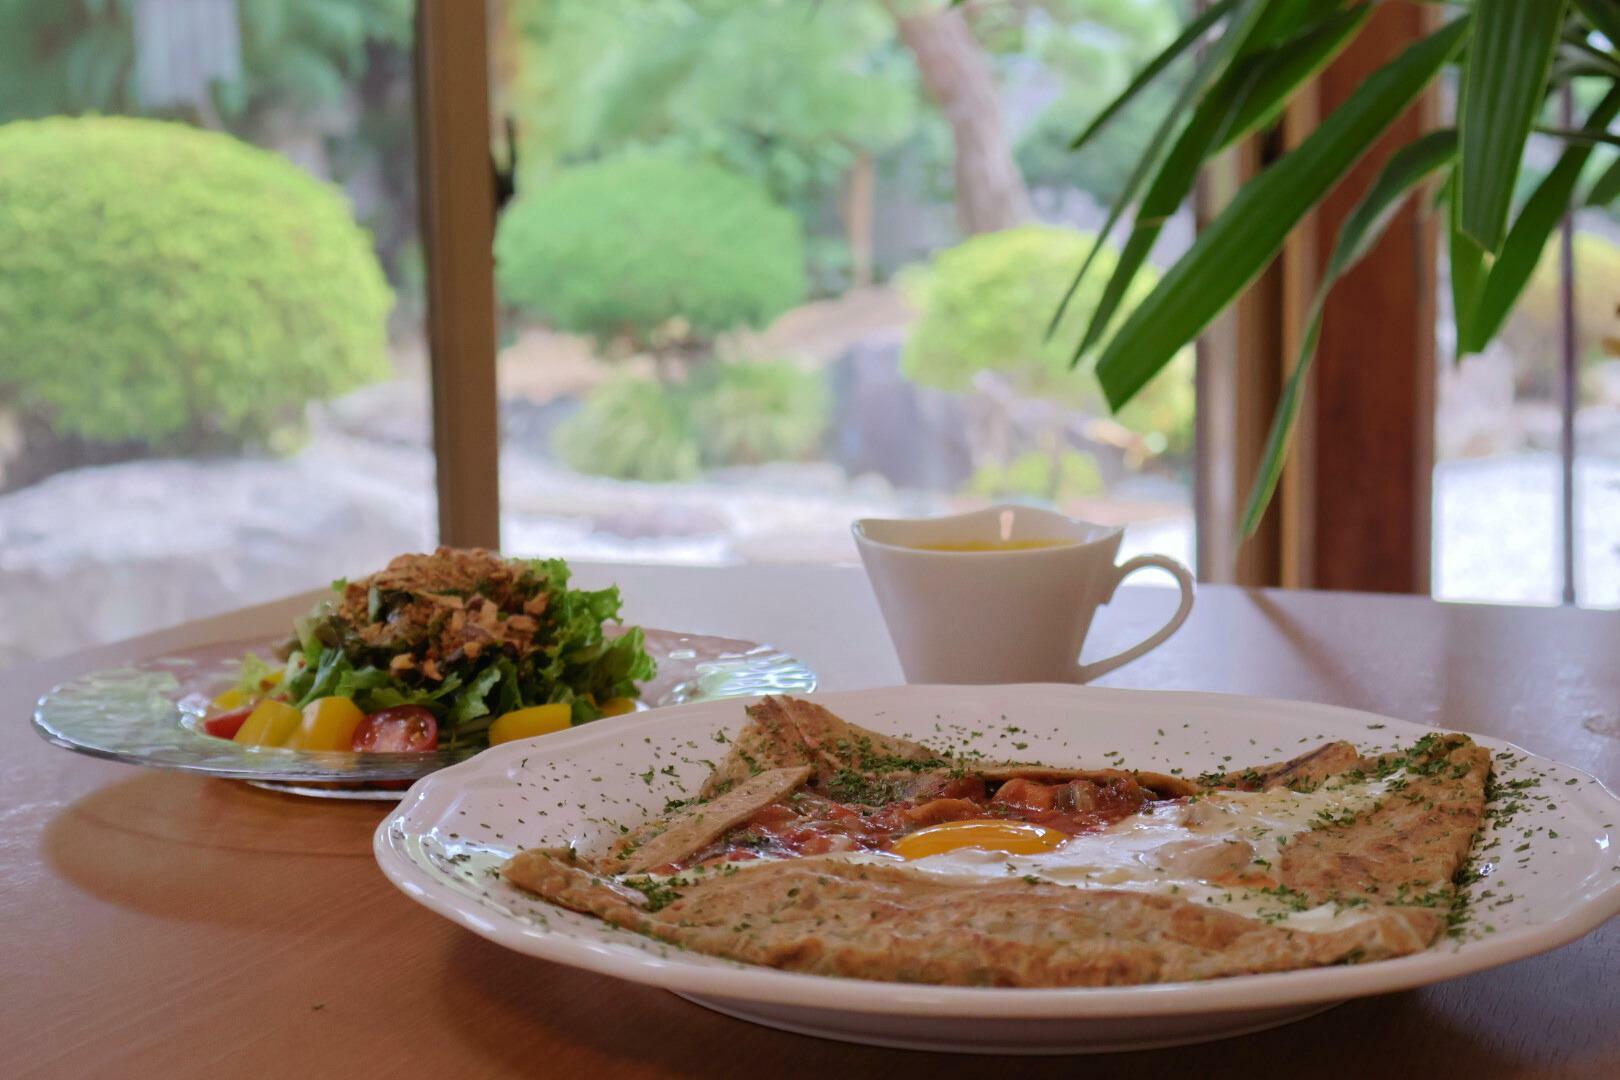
672,838
1008,934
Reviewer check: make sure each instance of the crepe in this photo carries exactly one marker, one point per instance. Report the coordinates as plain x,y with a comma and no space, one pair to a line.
1382,875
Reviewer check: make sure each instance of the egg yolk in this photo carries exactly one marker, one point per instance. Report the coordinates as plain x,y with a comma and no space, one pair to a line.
1011,837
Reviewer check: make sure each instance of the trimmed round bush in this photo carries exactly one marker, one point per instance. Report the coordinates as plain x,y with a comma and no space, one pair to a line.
755,411
629,429
176,286
985,305
625,247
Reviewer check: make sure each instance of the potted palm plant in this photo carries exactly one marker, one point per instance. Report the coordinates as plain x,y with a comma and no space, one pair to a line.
1247,60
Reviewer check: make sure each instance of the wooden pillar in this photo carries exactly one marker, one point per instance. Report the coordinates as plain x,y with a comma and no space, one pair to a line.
457,193
1366,468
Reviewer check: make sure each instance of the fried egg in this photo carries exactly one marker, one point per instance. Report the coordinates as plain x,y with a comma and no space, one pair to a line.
1218,849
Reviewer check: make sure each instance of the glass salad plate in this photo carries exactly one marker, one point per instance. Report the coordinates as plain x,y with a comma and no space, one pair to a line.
149,714
1544,872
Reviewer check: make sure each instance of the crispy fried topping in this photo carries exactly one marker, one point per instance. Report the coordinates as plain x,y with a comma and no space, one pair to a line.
440,608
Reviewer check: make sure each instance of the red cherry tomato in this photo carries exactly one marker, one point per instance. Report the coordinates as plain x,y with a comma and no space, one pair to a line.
404,729
227,724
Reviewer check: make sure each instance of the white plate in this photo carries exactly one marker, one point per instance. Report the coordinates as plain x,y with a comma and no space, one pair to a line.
443,843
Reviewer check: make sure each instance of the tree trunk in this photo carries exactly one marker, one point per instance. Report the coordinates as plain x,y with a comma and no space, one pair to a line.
859,192
990,192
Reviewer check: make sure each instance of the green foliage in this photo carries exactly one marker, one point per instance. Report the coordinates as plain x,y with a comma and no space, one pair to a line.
756,411
176,286
1036,475
1093,47
770,89
305,53
65,56
1100,169
75,56
1511,59
984,306
740,413
630,429
623,248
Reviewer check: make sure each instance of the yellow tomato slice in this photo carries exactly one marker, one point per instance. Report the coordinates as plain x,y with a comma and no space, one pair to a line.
271,723
527,723
235,699
328,723
618,706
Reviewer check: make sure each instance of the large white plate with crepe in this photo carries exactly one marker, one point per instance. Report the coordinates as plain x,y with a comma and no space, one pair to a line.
1551,868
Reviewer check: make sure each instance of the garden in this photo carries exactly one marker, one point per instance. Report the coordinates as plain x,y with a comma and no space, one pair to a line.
764,266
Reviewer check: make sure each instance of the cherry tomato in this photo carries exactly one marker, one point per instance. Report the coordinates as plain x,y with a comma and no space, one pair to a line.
404,729
226,725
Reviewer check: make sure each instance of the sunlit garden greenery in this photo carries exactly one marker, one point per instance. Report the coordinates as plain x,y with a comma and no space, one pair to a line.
177,286
985,306
630,113
687,172
649,251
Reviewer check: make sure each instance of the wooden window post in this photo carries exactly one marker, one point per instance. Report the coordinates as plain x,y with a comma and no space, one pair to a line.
458,235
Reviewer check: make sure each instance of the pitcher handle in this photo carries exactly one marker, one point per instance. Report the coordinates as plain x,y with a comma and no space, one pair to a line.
1184,580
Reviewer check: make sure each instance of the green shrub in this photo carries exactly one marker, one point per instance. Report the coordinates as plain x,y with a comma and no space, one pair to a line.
630,429
985,305
756,411
1031,476
742,413
176,286
624,247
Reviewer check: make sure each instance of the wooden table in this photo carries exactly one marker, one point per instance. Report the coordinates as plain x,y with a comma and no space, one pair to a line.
160,924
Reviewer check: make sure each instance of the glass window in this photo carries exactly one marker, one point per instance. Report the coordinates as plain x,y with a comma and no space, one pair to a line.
1499,531
774,265
212,375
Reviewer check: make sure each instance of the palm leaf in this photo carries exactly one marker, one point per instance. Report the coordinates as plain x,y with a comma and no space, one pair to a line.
1292,64
1405,170
1247,96
1604,15
1504,82
1285,19
1468,272
1238,245
1214,59
1522,249
1606,188
1581,135
1172,52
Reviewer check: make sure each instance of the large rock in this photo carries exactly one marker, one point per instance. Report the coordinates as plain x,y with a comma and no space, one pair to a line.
913,436
98,554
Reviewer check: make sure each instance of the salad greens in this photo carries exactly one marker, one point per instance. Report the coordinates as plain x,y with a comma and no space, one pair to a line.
467,634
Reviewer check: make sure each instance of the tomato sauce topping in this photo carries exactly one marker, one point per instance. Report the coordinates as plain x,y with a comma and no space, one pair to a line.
810,823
